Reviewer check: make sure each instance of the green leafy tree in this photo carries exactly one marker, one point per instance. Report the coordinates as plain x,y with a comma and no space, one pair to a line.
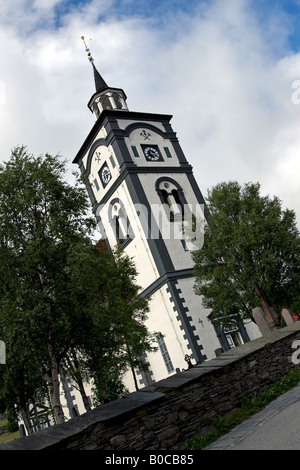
21,384
104,288
41,217
64,303
250,256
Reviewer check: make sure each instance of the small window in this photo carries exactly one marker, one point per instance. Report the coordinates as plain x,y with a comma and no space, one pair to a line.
96,184
184,244
135,152
165,354
167,151
112,161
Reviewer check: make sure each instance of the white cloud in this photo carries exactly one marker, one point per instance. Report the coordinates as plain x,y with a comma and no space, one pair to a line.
225,78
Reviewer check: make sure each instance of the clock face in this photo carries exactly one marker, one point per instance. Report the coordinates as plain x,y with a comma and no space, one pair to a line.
105,175
152,154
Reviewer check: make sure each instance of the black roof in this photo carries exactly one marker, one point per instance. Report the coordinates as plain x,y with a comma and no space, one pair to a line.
100,84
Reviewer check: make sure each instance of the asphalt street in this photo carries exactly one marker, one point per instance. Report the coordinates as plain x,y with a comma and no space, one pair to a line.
277,427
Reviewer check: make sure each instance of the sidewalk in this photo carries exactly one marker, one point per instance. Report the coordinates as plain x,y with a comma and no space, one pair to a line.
277,427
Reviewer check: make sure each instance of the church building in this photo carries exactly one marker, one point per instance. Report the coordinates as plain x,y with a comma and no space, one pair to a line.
146,199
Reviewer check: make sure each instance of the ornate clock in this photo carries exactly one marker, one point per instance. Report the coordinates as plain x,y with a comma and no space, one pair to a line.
105,175
152,153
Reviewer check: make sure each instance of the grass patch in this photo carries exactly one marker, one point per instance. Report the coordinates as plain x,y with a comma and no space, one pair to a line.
250,405
8,436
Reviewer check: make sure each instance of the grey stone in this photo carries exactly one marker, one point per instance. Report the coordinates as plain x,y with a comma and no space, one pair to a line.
287,316
261,321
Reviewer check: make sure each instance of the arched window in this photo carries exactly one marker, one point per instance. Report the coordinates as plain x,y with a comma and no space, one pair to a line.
171,196
121,225
165,195
120,222
117,99
105,102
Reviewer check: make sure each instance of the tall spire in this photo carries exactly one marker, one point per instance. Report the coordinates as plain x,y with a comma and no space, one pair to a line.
100,84
105,97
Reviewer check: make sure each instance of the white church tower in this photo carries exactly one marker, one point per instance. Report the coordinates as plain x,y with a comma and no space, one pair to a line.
142,191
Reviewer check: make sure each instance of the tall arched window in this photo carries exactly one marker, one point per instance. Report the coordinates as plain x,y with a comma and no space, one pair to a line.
120,222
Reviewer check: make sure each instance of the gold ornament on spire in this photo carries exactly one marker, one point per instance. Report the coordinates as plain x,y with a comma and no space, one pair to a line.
87,50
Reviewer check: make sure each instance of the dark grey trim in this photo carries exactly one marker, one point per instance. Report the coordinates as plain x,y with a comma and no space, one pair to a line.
244,333
96,144
185,319
143,125
170,180
107,115
198,194
137,170
157,246
222,335
169,276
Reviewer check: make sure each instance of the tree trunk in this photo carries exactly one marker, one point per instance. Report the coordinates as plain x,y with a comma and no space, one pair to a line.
36,416
26,418
53,377
132,367
79,381
84,396
54,386
268,310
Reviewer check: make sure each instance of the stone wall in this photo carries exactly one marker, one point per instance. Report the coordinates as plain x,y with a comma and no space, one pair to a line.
167,413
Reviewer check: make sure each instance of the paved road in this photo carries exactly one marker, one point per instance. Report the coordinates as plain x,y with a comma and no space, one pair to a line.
277,427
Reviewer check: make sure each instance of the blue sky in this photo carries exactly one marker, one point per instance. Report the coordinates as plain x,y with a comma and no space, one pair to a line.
227,70
160,11
289,10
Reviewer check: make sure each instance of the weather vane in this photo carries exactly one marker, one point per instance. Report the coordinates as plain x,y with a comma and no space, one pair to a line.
87,50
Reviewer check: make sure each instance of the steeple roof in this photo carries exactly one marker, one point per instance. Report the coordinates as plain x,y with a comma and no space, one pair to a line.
100,84
105,97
